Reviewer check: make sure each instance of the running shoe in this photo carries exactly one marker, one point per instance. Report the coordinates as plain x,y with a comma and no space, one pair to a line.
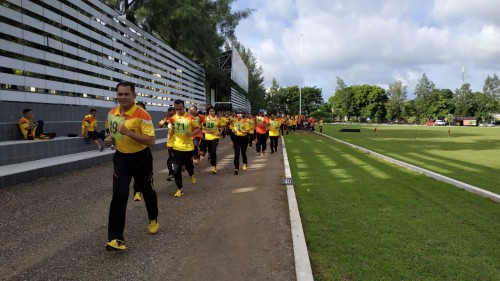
236,171
112,147
137,196
153,226
116,245
101,148
193,179
213,170
244,167
170,178
179,193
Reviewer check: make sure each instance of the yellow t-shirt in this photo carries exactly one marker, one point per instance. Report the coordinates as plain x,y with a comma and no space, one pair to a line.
223,121
211,126
136,120
240,127
90,122
274,128
251,125
183,125
24,125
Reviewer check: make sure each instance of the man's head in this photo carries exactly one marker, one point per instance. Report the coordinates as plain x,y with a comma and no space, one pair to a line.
28,113
125,94
179,106
93,112
170,111
193,110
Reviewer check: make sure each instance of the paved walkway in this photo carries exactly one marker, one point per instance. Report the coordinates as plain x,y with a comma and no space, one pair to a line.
226,227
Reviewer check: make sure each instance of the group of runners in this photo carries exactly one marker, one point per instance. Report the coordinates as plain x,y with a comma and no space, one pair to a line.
191,135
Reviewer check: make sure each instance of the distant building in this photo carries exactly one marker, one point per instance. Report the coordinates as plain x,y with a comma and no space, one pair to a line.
236,94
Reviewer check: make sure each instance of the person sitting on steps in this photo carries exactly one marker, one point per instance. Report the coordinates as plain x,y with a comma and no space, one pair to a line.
89,130
32,130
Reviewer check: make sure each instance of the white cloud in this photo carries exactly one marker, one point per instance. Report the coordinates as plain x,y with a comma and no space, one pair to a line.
374,42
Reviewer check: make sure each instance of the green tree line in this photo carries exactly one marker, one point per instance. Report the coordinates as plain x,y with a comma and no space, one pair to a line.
372,103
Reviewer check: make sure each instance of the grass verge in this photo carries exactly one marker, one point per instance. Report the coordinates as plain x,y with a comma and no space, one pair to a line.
366,219
467,154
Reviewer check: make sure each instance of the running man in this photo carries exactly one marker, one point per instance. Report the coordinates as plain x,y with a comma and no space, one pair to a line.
133,132
251,129
240,141
198,118
170,141
274,132
212,127
261,124
183,149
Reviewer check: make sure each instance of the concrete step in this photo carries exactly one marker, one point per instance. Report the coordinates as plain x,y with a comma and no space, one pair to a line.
33,170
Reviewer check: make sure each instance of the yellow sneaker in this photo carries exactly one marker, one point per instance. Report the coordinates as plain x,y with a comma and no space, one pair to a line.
178,193
116,245
213,170
137,196
193,179
153,226
244,167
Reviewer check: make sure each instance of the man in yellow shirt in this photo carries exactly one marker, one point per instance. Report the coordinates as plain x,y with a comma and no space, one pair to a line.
240,142
170,141
89,129
274,132
212,126
133,132
251,129
32,130
183,148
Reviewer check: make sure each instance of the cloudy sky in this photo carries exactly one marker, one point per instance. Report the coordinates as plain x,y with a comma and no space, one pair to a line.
373,42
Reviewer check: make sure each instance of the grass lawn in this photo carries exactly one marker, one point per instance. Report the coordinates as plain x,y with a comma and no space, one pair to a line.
468,154
367,219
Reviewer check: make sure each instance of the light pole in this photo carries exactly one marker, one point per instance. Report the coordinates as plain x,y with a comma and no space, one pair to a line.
300,86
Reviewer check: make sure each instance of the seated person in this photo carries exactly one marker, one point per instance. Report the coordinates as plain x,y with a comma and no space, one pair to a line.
32,130
89,129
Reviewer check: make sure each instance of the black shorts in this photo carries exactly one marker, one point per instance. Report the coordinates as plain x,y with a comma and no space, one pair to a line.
95,135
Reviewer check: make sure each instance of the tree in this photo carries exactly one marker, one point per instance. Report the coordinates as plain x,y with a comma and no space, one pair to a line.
396,96
491,89
440,104
369,102
422,91
341,101
196,28
464,101
312,99
409,111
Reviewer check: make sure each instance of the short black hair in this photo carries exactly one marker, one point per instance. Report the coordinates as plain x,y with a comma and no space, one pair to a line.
126,84
179,102
170,109
26,110
93,110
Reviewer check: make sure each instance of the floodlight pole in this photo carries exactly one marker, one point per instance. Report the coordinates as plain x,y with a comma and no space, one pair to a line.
300,86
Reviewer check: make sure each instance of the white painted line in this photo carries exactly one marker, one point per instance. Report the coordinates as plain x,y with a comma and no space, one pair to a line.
303,269
470,188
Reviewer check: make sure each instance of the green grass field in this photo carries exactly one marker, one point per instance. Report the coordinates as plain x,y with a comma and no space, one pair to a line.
367,219
467,154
